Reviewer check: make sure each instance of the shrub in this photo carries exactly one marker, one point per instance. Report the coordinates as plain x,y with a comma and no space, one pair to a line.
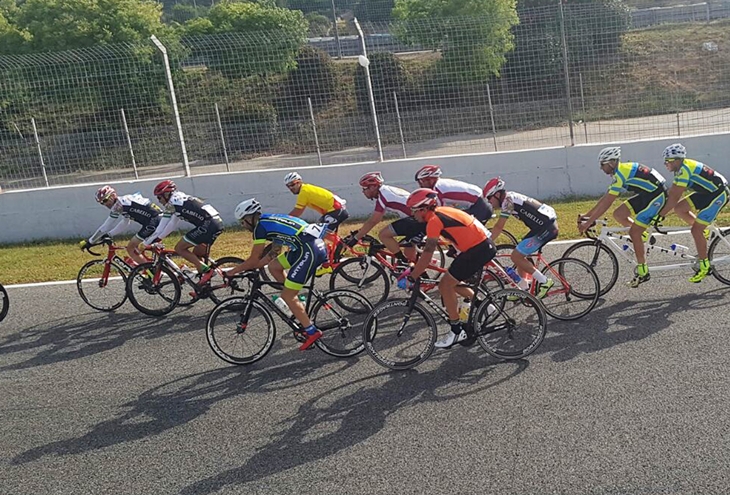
388,76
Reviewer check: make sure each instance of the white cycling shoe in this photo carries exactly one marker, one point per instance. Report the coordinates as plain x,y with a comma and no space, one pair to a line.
450,339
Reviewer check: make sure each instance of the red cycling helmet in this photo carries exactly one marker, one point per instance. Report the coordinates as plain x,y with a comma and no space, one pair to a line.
422,198
492,187
371,179
428,171
104,193
166,186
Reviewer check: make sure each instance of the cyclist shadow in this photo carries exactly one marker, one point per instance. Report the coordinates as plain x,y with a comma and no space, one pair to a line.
618,323
351,413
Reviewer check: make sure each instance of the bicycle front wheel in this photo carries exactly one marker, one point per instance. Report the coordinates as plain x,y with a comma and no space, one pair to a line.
102,291
575,292
397,337
600,258
363,275
511,324
340,315
154,290
719,256
4,303
237,338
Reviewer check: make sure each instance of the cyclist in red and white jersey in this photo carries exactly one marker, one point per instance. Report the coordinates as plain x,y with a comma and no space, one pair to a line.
455,193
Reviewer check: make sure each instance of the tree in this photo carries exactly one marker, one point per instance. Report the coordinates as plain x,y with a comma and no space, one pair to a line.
374,10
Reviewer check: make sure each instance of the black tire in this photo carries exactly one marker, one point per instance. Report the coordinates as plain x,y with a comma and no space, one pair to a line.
506,237
510,329
229,342
224,264
600,258
142,293
395,349
719,256
575,292
363,275
340,315
102,296
4,303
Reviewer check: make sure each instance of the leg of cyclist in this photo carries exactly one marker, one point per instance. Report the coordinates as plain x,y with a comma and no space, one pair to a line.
200,239
404,227
132,251
709,207
531,244
636,213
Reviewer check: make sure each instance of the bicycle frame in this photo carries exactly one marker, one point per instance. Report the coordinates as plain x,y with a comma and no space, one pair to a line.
562,288
165,256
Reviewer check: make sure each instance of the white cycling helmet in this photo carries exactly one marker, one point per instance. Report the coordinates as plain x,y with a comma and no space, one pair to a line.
291,177
246,208
610,153
673,151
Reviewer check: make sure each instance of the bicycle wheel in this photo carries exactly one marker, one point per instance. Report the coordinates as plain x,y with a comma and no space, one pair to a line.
511,324
398,340
719,256
219,290
154,299
4,302
575,292
600,258
364,276
103,293
506,238
340,315
237,341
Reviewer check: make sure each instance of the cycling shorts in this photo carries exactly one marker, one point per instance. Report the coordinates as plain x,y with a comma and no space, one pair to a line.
481,210
205,233
149,229
409,228
536,239
644,207
472,260
334,218
302,262
708,205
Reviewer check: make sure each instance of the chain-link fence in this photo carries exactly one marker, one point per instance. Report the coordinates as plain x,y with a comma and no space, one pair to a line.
427,88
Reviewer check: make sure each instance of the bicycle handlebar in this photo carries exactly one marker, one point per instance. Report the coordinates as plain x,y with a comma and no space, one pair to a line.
105,239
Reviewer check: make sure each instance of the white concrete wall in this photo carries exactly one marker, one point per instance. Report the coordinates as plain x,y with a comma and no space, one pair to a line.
71,212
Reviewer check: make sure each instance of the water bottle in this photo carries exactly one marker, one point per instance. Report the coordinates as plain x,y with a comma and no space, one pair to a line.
464,307
675,247
513,274
282,305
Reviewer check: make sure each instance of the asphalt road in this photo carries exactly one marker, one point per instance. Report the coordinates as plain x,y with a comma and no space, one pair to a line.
630,400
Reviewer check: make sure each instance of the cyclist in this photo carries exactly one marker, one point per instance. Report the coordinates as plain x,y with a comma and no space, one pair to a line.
456,193
538,217
123,211
709,196
388,199
636,212
206,219
469,236
306,252
330,206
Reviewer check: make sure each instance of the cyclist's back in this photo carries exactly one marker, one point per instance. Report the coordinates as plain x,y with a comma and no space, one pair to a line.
456,226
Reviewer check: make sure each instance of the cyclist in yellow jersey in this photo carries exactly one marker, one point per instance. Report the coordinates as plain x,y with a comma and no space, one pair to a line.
330,206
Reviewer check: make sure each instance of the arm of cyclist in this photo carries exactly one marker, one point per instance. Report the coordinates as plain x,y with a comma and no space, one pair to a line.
296,212
166,226
109,224
601,207
258,258
120,227
498,227
425,258
673,197
371,222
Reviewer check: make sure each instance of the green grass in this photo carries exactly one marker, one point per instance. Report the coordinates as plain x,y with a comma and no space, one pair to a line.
61,260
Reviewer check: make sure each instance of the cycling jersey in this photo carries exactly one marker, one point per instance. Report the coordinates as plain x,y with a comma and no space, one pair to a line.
189,208
699,177
286,230
126,209
531,212
318,199
392,199
637,178
458,227
457,193
182,206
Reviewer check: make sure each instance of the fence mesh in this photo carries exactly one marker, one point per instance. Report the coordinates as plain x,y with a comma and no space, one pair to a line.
439,87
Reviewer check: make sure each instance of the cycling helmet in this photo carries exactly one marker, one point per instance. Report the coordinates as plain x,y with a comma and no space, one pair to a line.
492,187
610,153
246,208
105,193
371,179
674,151
291,177
428,171
166,186
422,198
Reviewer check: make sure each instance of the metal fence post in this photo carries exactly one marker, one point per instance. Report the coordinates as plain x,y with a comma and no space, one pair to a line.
223,139
400,125
583,106
314,128
365,63
173,98
491,117
567,72
40,153
129,143
337,34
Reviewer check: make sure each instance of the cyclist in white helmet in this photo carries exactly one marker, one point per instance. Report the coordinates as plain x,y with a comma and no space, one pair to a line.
330,206
709,196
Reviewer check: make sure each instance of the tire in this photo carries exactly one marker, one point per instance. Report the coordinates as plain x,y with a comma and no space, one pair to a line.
719,256
97,294
340,315
395,349
575,292
506,237
221,293
600,258
231,344
516,330
153,300
368,279
4,303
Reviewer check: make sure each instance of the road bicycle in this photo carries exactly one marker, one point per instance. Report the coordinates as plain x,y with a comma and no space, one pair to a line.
4,303
508,324
155,288
604,248
241,329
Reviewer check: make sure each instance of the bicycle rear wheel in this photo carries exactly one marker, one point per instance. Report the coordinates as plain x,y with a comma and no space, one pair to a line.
600,258
363,275
150,297
103,293
4,303
719,256
575,292
398,340
236,339
220,291
340,315
510,324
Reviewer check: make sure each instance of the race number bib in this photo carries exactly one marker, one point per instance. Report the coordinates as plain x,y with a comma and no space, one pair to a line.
316,230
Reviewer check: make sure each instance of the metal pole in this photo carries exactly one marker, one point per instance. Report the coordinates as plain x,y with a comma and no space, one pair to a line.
173,98
400,125
314,128
567,73
583,106
40,153
223,139
679,129
369,82
491,117
129,143
337,34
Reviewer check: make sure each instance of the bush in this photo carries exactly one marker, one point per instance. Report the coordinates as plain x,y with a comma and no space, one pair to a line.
319,25
314,77
388,76
250,127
